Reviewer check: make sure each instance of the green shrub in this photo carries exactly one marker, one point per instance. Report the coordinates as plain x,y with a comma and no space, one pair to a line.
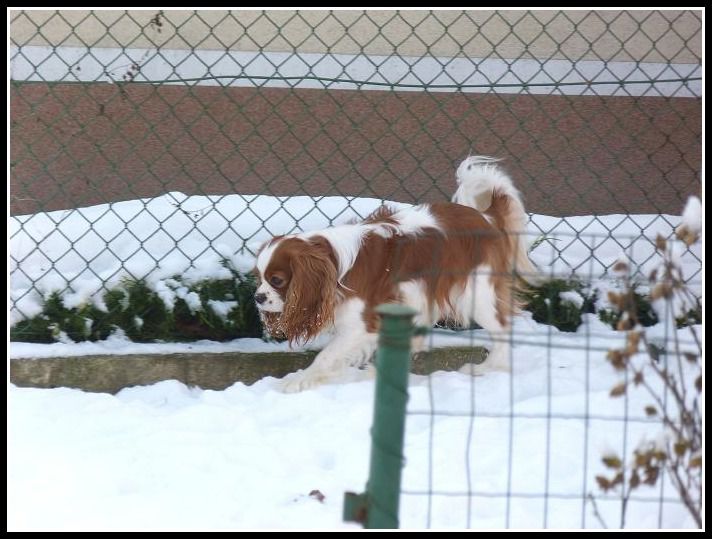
692,317
547,307
139,312
79,324
142,314
241,321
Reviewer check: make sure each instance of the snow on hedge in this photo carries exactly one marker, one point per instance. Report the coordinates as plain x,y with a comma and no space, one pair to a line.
78,251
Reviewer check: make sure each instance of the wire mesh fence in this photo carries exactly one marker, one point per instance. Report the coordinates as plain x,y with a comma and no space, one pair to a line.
592,420
561,440
153,144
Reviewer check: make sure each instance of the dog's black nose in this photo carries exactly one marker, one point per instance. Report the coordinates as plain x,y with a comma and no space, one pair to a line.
260,298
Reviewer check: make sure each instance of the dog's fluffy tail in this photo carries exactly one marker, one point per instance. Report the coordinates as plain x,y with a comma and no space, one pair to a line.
484,186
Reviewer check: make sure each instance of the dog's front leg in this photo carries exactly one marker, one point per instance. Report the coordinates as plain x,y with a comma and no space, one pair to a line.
342,352
352,346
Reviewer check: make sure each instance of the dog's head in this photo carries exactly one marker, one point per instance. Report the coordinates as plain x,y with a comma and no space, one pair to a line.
297,286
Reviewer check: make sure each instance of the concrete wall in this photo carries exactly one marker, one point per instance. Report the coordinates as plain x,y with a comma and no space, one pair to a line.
111,373
578,35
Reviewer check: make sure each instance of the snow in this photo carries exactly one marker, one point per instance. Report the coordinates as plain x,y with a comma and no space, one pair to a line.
692,214
119,344
571,296
525,446
154,239
168,456
174,234
222,308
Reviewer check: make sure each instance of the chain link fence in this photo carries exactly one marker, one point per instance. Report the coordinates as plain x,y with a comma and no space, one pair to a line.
593,112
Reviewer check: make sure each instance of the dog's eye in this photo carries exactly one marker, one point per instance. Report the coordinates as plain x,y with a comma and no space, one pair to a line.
276,281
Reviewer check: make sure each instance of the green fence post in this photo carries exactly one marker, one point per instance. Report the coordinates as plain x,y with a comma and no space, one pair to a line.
378,506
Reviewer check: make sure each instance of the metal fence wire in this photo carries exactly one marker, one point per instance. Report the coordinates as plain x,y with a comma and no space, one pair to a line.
556,442
150,143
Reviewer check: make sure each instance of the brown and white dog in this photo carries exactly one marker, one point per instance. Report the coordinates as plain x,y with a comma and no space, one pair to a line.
449,261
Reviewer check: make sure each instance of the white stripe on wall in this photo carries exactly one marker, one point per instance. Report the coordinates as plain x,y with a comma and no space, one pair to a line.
235,68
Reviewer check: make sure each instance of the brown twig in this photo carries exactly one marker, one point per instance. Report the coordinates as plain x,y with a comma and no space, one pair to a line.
595,511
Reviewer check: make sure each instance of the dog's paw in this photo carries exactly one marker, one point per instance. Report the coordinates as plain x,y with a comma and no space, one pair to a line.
301,381
473,369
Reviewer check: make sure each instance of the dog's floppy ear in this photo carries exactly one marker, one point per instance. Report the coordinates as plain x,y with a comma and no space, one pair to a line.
311,297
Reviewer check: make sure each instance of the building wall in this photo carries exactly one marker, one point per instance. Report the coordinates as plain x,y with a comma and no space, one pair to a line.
581,35
93,141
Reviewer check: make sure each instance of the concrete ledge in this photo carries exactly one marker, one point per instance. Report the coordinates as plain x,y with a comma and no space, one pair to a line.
109,374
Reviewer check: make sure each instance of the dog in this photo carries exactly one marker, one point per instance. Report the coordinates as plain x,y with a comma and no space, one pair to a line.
460,261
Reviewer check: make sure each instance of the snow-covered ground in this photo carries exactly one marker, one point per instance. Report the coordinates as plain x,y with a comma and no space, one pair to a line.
525,446
172,457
